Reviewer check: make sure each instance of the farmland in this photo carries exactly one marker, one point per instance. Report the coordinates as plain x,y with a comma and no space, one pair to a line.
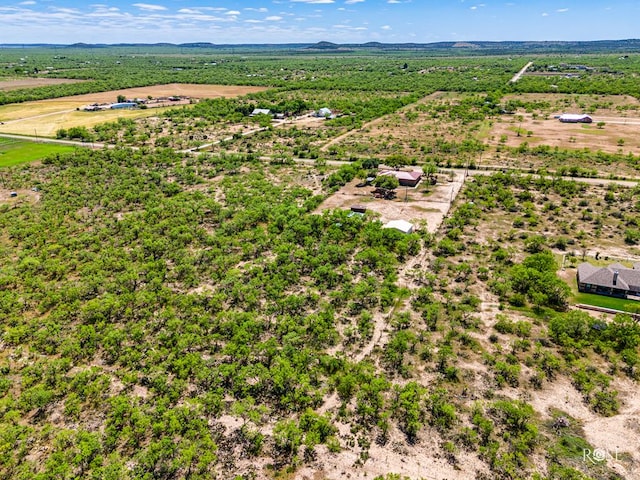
194,298
45,117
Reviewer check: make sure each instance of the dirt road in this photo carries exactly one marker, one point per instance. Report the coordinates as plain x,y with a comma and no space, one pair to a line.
517,76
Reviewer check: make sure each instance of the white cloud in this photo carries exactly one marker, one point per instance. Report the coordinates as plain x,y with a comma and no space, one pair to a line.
545,14
149,7
562,10
232,12
273,18
28,2
313,1
386,27
259,10
351,2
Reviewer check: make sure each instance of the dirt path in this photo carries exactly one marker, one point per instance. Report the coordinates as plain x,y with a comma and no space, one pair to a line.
517,76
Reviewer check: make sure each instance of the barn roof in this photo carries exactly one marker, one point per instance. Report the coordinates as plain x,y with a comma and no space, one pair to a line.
402,225
400,175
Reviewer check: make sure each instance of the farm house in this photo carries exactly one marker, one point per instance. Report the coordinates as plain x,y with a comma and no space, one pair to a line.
406,179
615,280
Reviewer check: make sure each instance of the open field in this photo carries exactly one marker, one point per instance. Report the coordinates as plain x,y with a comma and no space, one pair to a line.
619,134
18,83
535,124
15,152
45,117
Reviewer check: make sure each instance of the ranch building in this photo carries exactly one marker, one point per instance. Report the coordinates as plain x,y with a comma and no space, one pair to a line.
575,118
406,179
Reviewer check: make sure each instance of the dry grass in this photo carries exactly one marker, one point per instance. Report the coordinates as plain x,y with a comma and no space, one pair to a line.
18,83
45,117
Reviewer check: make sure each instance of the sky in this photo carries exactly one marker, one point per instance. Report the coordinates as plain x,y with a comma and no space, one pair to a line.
308,21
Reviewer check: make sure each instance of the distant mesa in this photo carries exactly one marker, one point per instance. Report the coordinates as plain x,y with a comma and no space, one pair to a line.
465,45
324,46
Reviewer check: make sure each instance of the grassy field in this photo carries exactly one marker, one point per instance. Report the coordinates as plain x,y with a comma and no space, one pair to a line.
14,152
605,302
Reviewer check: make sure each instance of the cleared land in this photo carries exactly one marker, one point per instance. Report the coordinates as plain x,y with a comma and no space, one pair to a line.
45,117
424,205
18,83
618,133
620,114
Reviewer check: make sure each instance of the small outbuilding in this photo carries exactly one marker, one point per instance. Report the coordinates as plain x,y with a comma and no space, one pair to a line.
575,118
324,112
358,208
401,225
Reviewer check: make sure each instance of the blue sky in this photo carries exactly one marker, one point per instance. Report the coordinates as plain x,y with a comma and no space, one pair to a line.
339,21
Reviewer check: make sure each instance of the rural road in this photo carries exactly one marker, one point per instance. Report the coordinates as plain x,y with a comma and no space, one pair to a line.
74,143
517,76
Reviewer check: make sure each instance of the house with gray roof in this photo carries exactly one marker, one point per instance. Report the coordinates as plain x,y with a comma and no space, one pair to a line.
615,280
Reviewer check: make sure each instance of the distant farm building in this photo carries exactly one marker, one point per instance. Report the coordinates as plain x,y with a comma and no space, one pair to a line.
615,280
260,111
324,113
401,225
575,118
406,179
123,105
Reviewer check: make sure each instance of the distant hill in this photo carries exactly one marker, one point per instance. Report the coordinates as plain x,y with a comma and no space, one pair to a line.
439,48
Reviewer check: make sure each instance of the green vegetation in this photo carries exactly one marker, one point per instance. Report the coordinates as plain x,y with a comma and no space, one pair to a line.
203,314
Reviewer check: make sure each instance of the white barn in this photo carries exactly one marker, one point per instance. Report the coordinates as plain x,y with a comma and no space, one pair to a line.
575,118
401,225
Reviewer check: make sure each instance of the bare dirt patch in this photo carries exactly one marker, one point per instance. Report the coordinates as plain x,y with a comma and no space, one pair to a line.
18,83
619,134
22,196
420,205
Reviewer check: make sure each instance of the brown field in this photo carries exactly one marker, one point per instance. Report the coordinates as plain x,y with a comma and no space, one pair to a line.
18,83
620,113
45,117
570,135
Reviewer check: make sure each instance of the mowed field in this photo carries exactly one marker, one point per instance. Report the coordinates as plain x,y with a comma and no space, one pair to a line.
45,117
14,152
620,132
